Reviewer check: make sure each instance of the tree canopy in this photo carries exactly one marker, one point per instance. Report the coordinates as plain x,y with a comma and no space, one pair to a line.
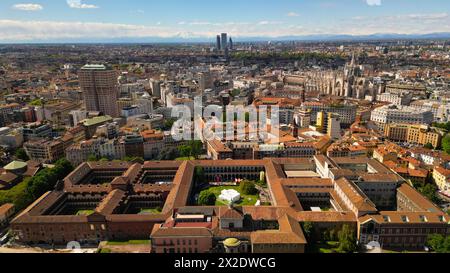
446,144
207,198
21,154
439,243
347,240
248,188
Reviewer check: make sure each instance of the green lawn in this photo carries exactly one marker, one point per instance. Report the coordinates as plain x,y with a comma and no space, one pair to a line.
150,211
16,195
105,250
325,247
246,200
130,242
185,158
391,251
84,212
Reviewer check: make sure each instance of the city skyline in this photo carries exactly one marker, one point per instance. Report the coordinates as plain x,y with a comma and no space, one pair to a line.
200,20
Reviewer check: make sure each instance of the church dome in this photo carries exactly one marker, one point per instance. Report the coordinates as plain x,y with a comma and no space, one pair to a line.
232,242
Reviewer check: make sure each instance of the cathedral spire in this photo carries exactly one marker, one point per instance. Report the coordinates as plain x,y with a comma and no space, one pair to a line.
353,63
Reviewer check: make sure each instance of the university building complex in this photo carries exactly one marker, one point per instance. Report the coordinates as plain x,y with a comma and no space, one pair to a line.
155,200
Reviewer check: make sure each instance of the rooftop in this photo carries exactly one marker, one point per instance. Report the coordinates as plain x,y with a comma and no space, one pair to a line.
94,67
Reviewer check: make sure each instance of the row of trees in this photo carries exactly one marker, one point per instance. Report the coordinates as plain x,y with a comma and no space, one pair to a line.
33,187
193,149
345,236
104,159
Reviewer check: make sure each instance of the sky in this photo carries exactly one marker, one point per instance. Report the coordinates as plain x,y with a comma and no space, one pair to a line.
52,20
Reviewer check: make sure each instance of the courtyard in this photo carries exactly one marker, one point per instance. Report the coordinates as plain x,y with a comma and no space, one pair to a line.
246,200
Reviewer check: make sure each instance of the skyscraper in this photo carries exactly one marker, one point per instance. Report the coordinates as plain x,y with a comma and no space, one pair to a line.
100,89
231,44
224,41
218,43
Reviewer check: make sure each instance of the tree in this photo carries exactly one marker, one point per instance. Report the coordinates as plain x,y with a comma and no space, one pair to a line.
429,191
429,146
439,243
169,153
248,188
22,200
207,198
197,148
21,154
185,151
63,167
347,240
199,175
333,235
47,179
446,144
308,229
247,117
235,92
92,157
168,124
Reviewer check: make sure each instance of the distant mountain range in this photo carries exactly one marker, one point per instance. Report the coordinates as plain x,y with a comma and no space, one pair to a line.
316,38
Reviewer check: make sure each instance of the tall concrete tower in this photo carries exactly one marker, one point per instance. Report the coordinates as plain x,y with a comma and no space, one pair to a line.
100,89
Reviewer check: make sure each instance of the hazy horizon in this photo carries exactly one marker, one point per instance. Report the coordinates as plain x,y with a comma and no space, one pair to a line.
49,21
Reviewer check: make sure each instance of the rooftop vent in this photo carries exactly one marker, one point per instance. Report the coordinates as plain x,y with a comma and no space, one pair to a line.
423,218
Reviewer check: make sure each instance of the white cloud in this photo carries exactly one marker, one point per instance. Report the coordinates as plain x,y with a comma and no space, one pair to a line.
432,16
77,4
28,7
199,23
22,30
293,14
270,23
373,2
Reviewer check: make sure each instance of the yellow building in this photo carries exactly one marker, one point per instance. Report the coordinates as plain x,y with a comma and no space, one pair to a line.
441,177
415,134
321,121
397,132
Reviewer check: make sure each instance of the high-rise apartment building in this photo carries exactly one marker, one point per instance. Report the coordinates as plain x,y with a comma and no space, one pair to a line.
155,86
100,89
224,44
334,126
218,43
